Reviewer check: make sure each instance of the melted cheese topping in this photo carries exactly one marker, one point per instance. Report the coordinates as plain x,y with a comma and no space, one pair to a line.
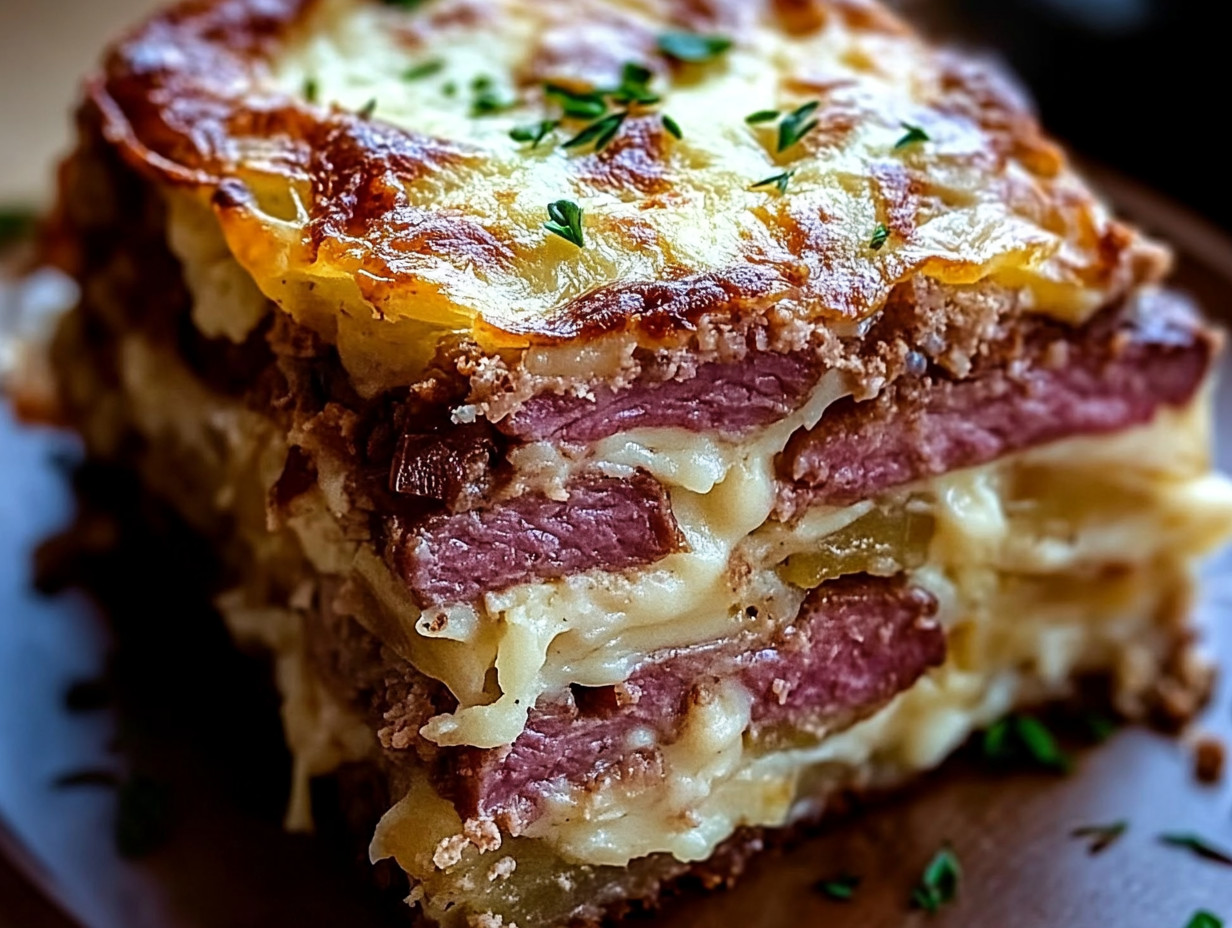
387,231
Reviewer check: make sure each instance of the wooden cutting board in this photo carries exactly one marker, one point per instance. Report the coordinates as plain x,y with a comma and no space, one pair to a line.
197,719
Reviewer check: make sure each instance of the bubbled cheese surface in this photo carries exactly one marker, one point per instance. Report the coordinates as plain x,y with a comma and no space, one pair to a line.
359,160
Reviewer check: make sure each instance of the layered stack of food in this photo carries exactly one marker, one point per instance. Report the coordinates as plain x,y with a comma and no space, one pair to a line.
631,424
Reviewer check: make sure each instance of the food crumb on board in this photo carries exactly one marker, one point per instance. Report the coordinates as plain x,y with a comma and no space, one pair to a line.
1209,755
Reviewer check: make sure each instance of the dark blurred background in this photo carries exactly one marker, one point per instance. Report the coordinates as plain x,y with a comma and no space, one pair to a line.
1140,86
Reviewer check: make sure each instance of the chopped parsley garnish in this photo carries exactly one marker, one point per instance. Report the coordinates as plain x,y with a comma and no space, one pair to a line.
1204,919
488,99
599,133
840,889
16,224
912,136
633,91
939,882
366,111
1100,837
312,90
1040,744
577,104
635,85
418,72
566,221
143,821
449,88
1019,735
1197,845
761,116
797,124
778,182
881,235
405,4
534,133
693,47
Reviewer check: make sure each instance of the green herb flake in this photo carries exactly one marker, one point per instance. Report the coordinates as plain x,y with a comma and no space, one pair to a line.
913,136
366,111
599,133
534,133
312,90
672,127
1197,845
418,72
1023,736
797,124
1100,837
840,889
881,235
762,116
405,4
1204,919
635,85
996,741
939,883
1041,745
16,224
693,47
566,221
488,99
449,88
143,820
576,104
778,182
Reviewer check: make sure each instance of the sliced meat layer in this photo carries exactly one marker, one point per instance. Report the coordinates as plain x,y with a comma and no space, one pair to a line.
727,398
855,644
606,523
1113,373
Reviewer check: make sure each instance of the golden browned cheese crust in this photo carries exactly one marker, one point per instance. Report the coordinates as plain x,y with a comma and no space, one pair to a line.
395,227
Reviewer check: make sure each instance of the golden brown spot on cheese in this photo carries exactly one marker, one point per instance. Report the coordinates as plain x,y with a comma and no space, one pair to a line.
974,90
713,15
589,53
836,119
899,195
634,161
661,308
359,171
847,285
869,16
800,17
428,24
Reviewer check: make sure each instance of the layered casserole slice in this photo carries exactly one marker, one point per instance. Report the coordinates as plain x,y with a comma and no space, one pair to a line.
630,424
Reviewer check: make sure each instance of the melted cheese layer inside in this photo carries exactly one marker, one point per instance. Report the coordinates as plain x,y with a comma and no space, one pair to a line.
1093,565
1087,544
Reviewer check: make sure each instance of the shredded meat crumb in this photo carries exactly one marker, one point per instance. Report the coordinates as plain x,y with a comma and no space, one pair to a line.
449,851
502,869
482,833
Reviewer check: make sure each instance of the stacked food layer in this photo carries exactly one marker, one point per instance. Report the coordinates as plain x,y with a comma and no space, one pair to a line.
630,424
